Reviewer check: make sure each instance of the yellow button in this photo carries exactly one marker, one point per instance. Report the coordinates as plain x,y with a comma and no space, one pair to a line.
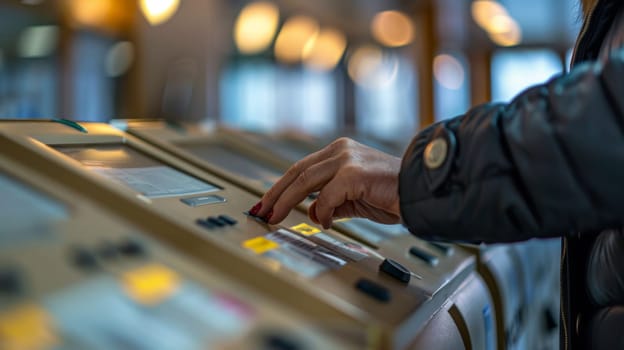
306,229
435,153
150,284
26,326
260,245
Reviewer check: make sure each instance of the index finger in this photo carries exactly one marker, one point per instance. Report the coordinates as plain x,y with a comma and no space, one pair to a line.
281,185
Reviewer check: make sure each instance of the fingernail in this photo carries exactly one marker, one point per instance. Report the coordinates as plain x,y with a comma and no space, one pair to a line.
255,209
268,216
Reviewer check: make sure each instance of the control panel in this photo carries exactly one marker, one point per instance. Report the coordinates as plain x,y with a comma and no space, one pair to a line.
254,162
75,275
320,273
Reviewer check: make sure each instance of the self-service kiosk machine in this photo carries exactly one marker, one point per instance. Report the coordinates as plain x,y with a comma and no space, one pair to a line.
523,277
227,154
75,275
321,274
511,271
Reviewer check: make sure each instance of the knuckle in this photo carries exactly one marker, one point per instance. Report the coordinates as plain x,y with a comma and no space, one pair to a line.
294,169
302,178
341,143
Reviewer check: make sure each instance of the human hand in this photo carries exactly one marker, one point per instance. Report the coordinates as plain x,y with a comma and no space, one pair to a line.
353,180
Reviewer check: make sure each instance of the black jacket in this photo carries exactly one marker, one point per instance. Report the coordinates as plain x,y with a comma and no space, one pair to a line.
549,163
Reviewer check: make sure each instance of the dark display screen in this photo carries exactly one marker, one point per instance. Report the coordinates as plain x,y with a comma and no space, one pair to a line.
136,170
25,212
234,161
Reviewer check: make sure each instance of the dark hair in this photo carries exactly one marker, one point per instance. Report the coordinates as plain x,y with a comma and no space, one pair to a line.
587,6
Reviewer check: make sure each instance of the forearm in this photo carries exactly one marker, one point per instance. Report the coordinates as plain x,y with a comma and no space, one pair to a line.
548,163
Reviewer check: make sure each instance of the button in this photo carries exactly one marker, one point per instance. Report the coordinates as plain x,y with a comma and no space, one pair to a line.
274,341
216,221
205,224
395,270
131,248
435,153
228,220
202,200
373,290
84,259
10,280
423,255
444,248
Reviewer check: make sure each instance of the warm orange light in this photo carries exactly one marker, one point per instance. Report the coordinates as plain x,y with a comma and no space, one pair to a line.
112,16
448,71
500,24
91,12
325,52
484,10
392,28
255,27
296,33
494,19
159,11
512,36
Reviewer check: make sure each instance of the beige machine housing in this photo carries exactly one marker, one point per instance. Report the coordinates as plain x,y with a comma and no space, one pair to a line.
75,275
522,277
244,159
346,291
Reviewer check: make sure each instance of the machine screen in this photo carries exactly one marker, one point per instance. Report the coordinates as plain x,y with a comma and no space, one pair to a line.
101,315
24,212
132,168
235,162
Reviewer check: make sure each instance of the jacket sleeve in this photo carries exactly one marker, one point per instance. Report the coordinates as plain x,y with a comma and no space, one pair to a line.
549,163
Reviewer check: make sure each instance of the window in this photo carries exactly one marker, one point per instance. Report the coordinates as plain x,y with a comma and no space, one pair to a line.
262,96
386,100
451,85
515,70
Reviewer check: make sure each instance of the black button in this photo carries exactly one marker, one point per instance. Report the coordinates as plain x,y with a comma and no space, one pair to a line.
444,248
276,341
131,248
423,255
373,290
84,259
205,223
10,280
229,220
216,221
395,270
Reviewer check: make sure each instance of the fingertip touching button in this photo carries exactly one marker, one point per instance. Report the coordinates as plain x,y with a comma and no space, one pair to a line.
373,290
424,256
395,270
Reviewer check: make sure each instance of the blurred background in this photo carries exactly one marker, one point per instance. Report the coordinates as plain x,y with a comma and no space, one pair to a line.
383,68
